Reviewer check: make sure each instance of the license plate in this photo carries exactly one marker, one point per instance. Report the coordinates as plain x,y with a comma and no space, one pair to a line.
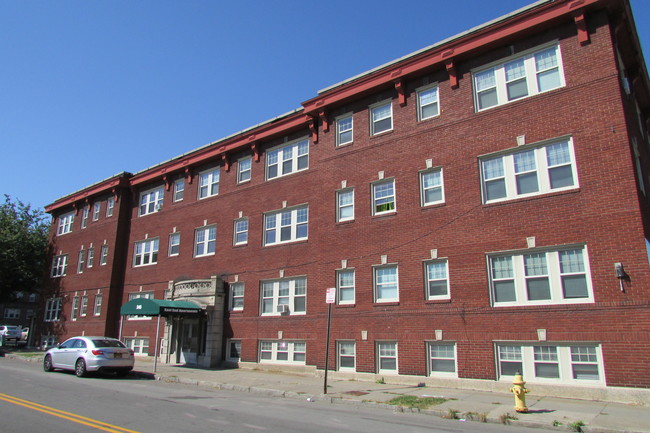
117,355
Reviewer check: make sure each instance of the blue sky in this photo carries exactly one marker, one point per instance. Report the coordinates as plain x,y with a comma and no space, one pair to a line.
89,89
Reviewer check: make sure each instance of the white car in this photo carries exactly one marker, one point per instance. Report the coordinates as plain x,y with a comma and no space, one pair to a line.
10,332
89,354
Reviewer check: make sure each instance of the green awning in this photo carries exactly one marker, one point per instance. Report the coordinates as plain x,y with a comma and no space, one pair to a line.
159,307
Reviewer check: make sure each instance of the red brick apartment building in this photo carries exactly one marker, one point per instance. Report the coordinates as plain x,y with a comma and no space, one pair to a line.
480,205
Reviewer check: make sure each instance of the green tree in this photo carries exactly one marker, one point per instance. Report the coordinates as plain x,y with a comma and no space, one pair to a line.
23,248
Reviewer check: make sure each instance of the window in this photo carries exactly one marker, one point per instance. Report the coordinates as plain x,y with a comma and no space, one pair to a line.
551,362
344,134
97,207
436,279
137,295
244,170
431,187
346,355
287,295
12,313
285,352
541,277
140,346
236,296
387,357
442,359
84,217
83,309
519,77
287,159
65,223
383,197
52,310
59,265
529,172
97,309
174,244
146,252
345,205
386,285
234,350
287,225
241,232
110,205
80,263
428,102
381,118
75,306
151,201
103,258
637,165
179,189
209,183
345,286
205,241
91,257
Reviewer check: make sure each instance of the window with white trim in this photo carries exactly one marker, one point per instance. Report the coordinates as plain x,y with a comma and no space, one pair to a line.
286,225
381,117
529,172
146,252
383,197
442,359
80,263
209,183
431,187
386,357
537,277
386,286
638,165
97,309
244,167
52,310
174,244
518,77
103,259
205,241
110,206
83,309
97,207
84,216
65,223
234,350
287,159
236,296
551,362
140,346
283,352
428,102
151,201
241,231
59,266
287,295
138,295
344,130
179,189
346,355
345,205
345,286
436,278
12,313
74,313
91,257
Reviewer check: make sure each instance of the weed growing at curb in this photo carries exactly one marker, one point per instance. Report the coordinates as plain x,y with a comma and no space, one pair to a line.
380,380
577,426
451,414
556,423
506,417
412,401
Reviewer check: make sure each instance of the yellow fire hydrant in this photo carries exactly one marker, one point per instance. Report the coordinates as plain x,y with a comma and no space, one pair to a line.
519,390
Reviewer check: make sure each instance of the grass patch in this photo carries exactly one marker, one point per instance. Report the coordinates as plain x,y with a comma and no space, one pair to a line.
576,426
413,401
32,355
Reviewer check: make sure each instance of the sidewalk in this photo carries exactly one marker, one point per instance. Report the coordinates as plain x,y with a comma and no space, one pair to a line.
544,412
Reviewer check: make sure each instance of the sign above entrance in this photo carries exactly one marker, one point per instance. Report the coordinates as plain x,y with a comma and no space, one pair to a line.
159,307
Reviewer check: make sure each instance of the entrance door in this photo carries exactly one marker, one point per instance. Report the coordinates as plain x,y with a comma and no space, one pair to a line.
189,343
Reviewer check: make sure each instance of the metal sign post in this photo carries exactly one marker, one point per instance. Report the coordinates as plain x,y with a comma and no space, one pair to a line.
330,298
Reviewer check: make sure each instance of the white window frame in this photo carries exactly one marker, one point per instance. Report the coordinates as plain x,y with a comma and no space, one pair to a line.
344,285
174,244
97,208
374,108
244,170
138,295
103,259
422,105
499,81
65,223
145,253
179,190
425,188
205,241
270,351
83,308
81,261
209,183
383,199
507,175
59,266
564,357
74,311
430,279
230,356
380,350
513,271
379,285
240,231
236,296
343,129
91,257
85,213
287,159
151,201
53,310
274,294
442,357
343,352
97,306
291,223
110,206
139,345
12,313
342,205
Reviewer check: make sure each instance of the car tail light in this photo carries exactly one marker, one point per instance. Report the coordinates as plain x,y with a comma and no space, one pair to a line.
97,352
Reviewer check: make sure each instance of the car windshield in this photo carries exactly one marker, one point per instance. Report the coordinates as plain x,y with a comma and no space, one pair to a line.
107,343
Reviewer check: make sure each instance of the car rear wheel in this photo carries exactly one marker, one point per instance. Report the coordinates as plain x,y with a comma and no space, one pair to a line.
80,368
47,363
